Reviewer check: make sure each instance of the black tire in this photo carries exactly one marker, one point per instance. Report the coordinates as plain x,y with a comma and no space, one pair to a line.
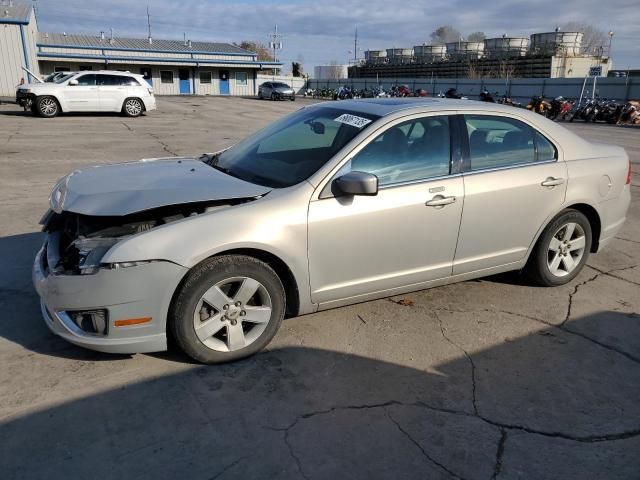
260,97
200,279
274,97
293,98
537,268
132,107
47,107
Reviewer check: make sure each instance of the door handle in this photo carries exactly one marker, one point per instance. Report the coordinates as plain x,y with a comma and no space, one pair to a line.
440,201
552,182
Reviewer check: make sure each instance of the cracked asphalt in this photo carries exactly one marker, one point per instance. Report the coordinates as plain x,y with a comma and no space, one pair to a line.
487,379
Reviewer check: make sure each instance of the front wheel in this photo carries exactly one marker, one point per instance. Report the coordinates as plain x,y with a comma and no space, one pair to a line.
47,107
293,98
562,250
229,307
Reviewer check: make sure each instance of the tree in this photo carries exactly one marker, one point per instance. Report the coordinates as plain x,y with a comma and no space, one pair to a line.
476,37
296,69
594,40
445,34
263,52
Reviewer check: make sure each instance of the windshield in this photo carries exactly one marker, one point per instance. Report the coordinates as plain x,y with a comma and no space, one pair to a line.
63,78
294,148
281,85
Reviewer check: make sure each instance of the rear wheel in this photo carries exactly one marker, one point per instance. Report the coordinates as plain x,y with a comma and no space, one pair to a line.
47,107
229,307
133,107
562,250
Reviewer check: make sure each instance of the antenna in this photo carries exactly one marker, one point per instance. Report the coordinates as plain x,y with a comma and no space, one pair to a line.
149,26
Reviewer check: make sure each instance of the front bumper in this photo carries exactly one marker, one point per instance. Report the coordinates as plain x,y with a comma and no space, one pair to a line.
126,293
24,99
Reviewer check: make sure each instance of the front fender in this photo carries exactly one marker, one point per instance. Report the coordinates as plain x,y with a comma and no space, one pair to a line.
276,224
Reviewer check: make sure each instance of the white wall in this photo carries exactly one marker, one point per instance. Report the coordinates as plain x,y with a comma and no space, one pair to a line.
173,88
12,55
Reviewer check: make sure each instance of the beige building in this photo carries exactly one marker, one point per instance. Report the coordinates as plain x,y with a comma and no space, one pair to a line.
172,67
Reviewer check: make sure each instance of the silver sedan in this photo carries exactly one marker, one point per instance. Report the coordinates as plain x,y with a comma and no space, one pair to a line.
332,205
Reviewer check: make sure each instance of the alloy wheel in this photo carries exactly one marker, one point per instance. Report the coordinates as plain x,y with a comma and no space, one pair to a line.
48,106
133,107
566,249
232,314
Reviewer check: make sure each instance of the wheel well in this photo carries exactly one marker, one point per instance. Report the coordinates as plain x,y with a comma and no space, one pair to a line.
281,269
594,220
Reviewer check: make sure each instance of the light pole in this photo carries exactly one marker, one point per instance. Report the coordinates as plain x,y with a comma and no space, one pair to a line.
610,40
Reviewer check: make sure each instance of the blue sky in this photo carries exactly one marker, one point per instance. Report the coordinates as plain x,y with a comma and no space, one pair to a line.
318,32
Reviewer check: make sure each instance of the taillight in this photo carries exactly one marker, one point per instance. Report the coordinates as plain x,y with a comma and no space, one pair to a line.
629,175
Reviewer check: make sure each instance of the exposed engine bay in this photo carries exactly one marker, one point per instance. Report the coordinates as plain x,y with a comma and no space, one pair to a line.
77,243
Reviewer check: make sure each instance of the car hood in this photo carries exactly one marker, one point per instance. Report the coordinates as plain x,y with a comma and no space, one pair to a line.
126,188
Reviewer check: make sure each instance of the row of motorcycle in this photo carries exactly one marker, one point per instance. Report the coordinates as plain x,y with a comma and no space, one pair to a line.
590,110
346,92
560,108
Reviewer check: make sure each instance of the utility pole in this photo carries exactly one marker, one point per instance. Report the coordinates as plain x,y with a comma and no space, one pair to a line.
355,48
275,43
149,26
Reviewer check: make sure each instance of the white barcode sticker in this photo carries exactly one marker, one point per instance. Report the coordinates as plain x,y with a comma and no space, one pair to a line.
353,120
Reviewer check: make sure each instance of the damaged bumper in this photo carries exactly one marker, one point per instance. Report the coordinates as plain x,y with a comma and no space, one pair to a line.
133,303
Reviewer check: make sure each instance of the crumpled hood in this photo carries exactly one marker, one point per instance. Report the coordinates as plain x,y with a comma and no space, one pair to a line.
122,189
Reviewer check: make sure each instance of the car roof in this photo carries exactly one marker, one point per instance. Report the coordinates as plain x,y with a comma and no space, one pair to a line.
573,145
387,106
110,72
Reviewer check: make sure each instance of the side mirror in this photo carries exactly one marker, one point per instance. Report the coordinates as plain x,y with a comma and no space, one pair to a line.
73,82
357,183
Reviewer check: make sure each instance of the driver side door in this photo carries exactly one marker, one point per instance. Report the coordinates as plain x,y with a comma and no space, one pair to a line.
363,247
83,97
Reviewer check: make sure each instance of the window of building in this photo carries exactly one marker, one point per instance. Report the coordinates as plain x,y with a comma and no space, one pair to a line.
84,68
166,76
63,68
499,142
205,77
241,78
414,150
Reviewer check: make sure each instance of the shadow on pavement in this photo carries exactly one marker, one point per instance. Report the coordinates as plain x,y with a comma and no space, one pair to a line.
547,405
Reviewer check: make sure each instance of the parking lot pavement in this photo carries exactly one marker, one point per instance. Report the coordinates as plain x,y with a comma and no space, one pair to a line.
483,379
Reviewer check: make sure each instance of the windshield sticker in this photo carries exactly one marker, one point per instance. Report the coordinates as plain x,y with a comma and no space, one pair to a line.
353,120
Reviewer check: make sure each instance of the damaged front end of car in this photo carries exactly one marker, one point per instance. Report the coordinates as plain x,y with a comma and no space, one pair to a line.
77,243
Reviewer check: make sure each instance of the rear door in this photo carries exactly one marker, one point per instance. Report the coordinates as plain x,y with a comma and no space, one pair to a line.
84,96
112,92
513,181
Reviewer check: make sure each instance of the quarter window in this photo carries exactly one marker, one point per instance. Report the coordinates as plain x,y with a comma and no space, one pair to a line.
414,150
166,76
241,78
205,77
502,142
545,150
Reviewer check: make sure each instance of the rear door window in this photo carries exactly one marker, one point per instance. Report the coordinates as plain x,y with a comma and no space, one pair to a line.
87,80
496,142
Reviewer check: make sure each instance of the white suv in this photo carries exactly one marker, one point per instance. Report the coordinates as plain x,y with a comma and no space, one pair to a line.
89,91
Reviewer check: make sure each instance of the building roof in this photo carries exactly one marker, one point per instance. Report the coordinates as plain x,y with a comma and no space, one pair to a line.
14,12
137,44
